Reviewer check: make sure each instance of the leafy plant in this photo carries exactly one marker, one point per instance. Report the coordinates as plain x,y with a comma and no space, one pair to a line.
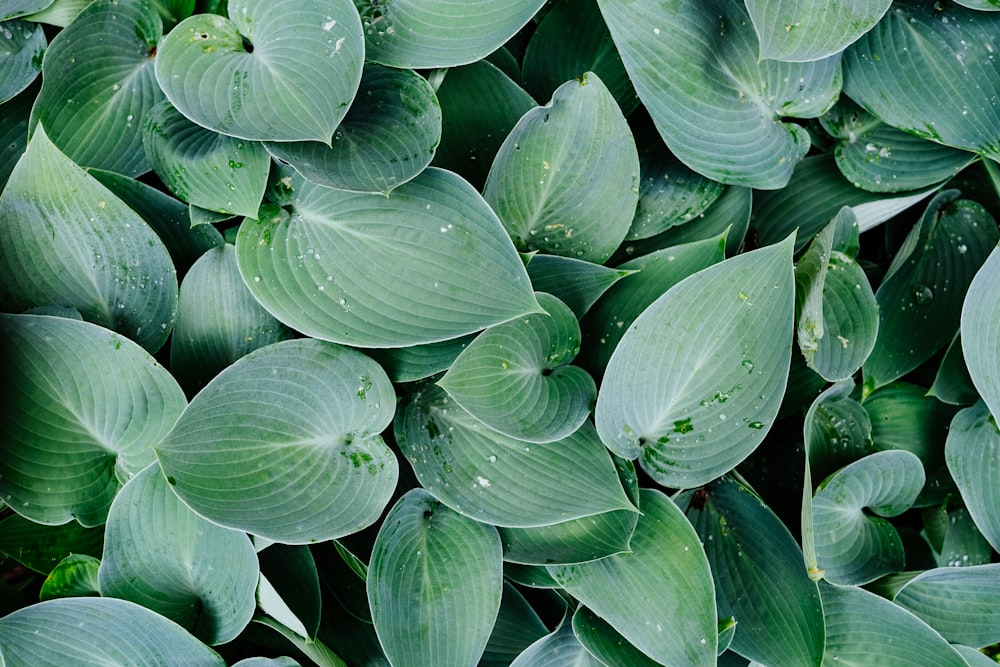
588,332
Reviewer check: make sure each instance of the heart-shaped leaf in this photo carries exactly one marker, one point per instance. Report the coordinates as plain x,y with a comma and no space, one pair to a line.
387,137
98,83
69,241
980,326
305,417
566,179
74,576
559,649
87,404
718,107
434,583
971,453
428,263
793,30
696,382
21,47
244,76
160,554
958,602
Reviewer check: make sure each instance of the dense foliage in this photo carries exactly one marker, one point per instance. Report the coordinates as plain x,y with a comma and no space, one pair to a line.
436,332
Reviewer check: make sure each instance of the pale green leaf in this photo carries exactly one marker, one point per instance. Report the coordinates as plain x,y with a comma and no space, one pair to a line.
795,30
10,9
972,452
59,13
559,649
980,327
982,5
959,602
74,576
21,47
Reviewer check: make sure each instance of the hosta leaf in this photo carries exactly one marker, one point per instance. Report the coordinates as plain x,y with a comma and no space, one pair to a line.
973,657
865,629
204,168
304,416
982,5
904,417
42,547
434,584
605,642
980,327
60,13
931,71
14,115
10,9
438,33
837,431
291,572
314,649
97,631
759,577
531,576
793,29
518,378
962,544
660,595
21,47
855,546
566,179
718,107
98,83
160,554
575,282
559,649
952,383
417,362
926,285
696,382
87,404
517,627
959,602
387,137
74,576
69,241
973,455
428,263
494,478
244,76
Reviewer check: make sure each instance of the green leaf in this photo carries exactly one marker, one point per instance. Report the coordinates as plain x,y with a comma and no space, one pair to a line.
87,406
98,84
604,642
660,596
70,241
14,116
566,179
531,576
10,9
202,167
793,30
696,382
855,546
971,454
497,479
517,626
931,71
437,33
160,554
904,417
98,631
926,284
837,431
575,282
41,548
418,362
980,327
559,649
865,629
243,76
21,47
434,583
74,576
959,602
718,107
174,11
387,137
315,650
518,378
305,417
982,5
759,577
963,544
60,13
952,383
289,588
428,263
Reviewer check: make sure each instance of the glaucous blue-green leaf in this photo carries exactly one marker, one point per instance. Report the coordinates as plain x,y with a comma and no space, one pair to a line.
202,167
606,643
387,137
854,544
558,649
428,263
14,115
86,406
696,381
572,39
837,431
98,83
719,108
659,596
961,603
417,362
70,241
434,584
797,31
60,13
517,627
439,33
924,288
274,70
903,416
41,547
218,320
531,576
980,328
759,577
492,477
613,314
21,47
74,576
972,452
480,105
518,378
952,383
865,629
566,179
285,444
97,631
282,661
973,657
931,71
962,544
317,651
160,554
10,9
575,282
982,5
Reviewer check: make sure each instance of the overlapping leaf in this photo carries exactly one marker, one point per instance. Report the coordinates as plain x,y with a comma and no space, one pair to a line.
973,455
21,47
289,588
517,627
952,383
605,642
74,576
41,547
959,602
10,9
980,327
558,649
575,282
14,130
793,30
904,417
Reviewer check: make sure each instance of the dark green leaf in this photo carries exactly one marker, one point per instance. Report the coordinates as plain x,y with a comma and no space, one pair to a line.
559,649
904,417
289,588
21,47
42,547
575,282
517,627
953,384
418,362
605,642
74,576
14,116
